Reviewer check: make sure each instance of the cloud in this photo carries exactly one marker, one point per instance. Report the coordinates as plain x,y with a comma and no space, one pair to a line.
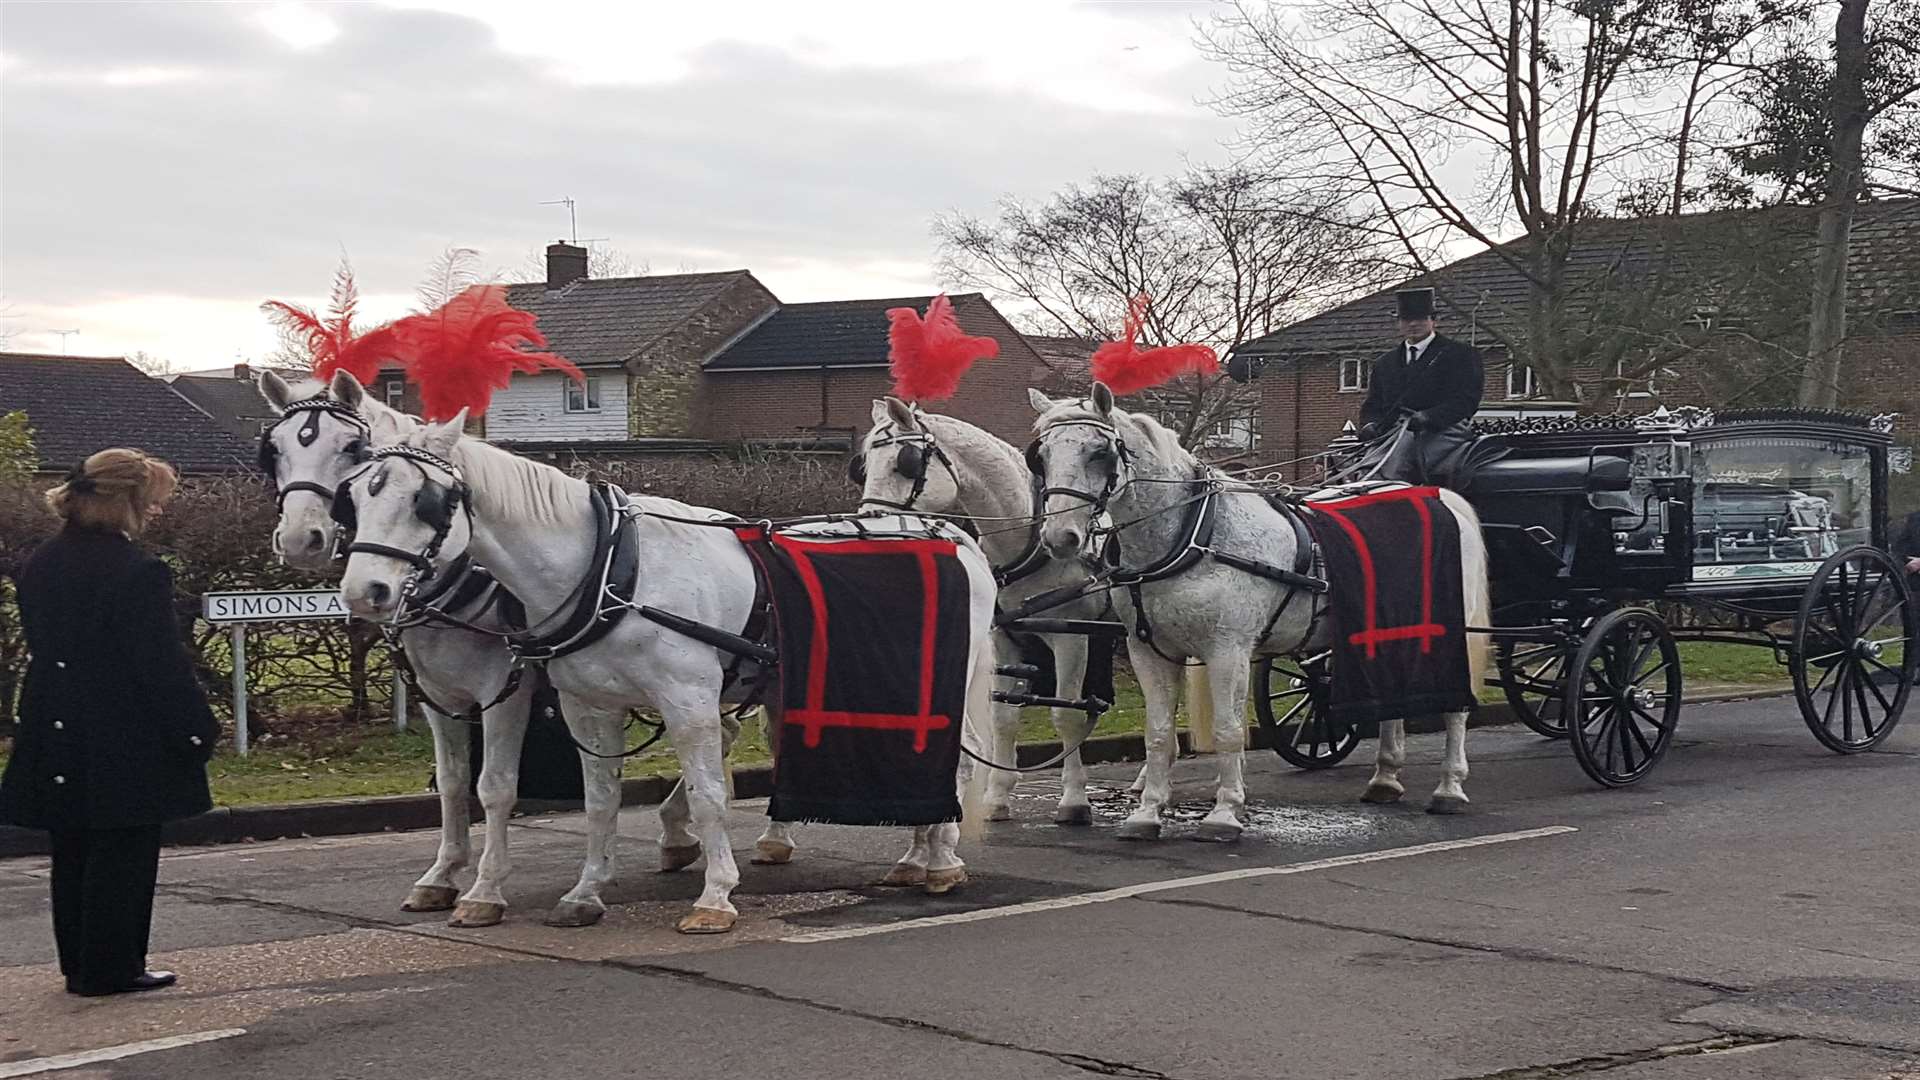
212,155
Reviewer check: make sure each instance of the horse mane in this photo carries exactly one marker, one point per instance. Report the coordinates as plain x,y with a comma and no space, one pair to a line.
507,485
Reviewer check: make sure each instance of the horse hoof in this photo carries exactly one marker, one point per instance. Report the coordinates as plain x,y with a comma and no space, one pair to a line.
999,813
1213,832
679,857
768,853
575,913
431,898
942,882
1080,814
1381,793
1138,830
471,914
903,875
707,921
1446,804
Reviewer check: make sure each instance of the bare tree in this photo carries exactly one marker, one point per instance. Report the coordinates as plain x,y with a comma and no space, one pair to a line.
1462,121
148,364
1226,256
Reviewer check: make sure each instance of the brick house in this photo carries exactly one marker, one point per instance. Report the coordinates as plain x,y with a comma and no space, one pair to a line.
77,405
816,368
1717,292
683,361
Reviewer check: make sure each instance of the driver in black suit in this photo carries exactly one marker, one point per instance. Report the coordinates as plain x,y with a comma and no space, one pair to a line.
1436,383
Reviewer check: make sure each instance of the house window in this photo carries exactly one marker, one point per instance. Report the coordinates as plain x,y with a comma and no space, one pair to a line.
1633,386
583,398
1355,376
1519,381
396,393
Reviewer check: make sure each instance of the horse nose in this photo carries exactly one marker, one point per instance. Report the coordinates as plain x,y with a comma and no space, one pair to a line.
1066,541
316,540
379,593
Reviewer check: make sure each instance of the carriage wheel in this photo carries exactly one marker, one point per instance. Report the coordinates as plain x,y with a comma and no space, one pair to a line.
1626,678
1290,701
1534,675
1853,660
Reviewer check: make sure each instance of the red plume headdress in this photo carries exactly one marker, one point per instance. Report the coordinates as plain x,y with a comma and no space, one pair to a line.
928,355
1128,370
469,347
330,341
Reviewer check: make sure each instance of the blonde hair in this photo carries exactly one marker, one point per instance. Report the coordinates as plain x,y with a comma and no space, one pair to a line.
117,489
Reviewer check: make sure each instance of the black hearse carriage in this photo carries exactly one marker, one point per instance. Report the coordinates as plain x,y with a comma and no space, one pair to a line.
1612,539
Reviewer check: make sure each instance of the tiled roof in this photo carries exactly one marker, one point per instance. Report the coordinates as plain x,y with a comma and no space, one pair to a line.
853,333
1883,270
602,321
1069,361
233,403
77,405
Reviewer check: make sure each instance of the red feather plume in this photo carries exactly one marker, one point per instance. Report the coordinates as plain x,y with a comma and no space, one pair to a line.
469,347
330,341
928,355
1128,370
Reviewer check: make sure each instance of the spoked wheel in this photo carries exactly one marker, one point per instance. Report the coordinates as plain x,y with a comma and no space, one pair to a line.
1626,678
1853,659
1534,676
1290,702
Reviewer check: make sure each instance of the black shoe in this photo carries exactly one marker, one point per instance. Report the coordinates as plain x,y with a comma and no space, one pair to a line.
146,980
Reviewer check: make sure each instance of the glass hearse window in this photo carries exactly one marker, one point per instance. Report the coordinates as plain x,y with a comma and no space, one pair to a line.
1771,504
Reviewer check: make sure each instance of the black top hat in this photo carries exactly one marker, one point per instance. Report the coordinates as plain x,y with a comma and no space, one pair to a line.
1415,303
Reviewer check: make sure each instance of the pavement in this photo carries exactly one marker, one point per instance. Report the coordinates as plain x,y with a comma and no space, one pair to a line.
1748,911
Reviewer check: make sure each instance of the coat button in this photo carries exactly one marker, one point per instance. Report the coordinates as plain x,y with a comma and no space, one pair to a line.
59,779
60,664
58,726
194,739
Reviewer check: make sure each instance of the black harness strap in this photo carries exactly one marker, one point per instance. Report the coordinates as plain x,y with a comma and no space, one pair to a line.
1033,556
607,591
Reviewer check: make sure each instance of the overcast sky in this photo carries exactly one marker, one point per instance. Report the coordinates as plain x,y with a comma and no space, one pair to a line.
165,167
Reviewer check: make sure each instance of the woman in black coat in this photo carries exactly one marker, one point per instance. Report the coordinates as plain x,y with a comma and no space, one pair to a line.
114,732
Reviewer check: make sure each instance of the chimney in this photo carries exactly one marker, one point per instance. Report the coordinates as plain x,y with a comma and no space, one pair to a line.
242,373
566,264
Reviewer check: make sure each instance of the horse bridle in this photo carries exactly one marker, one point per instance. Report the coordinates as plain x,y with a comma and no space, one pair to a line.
1116,447
310,410
434,504
916,447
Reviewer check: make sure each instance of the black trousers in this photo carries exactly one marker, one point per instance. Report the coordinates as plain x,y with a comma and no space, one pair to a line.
103,903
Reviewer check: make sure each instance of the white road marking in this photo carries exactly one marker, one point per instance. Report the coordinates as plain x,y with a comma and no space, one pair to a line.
1124,892
36,1066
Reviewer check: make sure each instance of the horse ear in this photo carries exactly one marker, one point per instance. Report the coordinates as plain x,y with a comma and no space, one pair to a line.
1102,399
901,413
439,439
1040,402
879,410
275,390
347,390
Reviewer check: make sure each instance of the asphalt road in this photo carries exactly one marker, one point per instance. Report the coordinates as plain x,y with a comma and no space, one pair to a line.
1752,910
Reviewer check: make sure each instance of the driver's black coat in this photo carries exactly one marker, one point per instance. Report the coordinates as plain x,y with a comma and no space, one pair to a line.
1446,384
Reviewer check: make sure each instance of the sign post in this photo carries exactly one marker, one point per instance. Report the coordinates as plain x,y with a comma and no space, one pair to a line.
241,608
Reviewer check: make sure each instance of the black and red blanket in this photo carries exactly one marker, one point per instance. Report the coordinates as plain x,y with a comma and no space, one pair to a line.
872,677
1395,600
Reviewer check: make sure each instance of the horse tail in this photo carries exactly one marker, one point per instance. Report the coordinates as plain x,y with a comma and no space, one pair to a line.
1474,589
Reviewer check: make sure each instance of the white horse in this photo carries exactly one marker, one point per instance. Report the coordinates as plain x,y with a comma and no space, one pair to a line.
928,463
1098,457
534,528
314,448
